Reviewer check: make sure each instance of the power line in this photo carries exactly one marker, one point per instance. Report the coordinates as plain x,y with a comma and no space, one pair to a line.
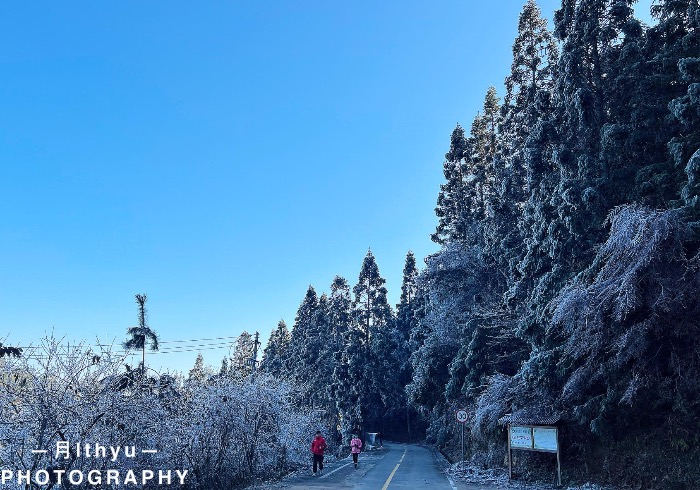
122,354
232,339
186,346
197,340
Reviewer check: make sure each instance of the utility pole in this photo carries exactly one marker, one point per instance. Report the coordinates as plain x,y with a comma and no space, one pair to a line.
254,359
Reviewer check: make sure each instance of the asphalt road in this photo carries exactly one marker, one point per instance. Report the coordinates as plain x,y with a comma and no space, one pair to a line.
395,467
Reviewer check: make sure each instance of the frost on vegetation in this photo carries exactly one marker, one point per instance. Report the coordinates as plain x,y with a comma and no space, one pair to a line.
454,279
621,319
223,430
638,238
494,402
469,472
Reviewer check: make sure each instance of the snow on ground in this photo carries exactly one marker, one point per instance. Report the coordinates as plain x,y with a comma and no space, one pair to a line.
498,478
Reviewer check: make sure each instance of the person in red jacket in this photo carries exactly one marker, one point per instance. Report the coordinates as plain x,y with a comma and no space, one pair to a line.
318,446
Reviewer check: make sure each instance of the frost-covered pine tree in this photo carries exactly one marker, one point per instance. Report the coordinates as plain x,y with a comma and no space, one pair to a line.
340,309
451,210
325,355
680,23
528,88
406,321
406,318
300,335
275,352
348,355
350,387
532,71
453,283
530,139
198,373
370,307
223,370
305,345
373,318
481,163
590,31
240,364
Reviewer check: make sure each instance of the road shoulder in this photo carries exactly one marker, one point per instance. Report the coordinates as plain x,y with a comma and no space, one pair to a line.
456,483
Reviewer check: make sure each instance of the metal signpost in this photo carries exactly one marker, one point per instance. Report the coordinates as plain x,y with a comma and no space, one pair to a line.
461,416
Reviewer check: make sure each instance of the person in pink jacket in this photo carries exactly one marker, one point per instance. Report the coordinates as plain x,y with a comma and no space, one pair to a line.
355,445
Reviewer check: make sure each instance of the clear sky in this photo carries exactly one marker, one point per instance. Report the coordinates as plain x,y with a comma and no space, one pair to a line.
221,156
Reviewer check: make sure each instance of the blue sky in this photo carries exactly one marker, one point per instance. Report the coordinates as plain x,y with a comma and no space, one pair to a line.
222,156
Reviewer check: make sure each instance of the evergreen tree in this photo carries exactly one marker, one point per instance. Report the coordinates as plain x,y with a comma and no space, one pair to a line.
406,322
345,344
682,18
564,213
224,369
339,318
275,352
590,30
340,309
533,283
532,71
454,283
450,208
142,335
371,308
240,365
305,346
323,374
198,373
406,319
373,319
646,80
481,166
625,333
302,331
530,130
590,328
528,88
350,386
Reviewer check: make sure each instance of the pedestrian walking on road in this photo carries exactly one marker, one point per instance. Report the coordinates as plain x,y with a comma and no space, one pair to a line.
355,445
318,446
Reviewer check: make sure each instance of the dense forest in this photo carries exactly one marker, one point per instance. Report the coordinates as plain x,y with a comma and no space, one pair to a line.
566,286
568,277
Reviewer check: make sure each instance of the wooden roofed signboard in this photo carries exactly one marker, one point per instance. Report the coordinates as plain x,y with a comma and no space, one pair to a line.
532,433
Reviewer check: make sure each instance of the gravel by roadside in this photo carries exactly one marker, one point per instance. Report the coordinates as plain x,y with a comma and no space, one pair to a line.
498,479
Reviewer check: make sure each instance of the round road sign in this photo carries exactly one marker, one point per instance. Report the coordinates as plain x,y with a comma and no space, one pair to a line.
461,415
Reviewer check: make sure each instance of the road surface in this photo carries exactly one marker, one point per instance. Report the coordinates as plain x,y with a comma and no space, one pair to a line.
395,467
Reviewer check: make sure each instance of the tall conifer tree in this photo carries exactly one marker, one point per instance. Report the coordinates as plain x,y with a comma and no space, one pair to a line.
450,210
374,318
275,353
371,308
240,365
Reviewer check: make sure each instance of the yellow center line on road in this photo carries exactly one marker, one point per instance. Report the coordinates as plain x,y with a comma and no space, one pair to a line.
388,480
